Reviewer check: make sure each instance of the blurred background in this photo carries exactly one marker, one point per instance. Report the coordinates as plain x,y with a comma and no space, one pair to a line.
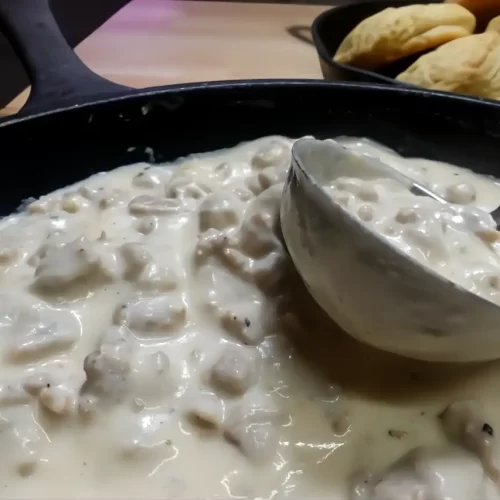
78,19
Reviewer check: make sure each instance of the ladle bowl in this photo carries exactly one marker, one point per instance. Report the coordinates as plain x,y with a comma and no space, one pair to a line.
370,288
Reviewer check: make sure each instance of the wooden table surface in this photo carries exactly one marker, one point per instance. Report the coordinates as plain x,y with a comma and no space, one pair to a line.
159,42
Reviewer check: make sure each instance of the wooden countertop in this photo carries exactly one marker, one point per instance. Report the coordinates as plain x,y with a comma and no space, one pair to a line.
159,42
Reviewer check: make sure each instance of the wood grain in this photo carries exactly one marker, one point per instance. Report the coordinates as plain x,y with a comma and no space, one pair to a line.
159,42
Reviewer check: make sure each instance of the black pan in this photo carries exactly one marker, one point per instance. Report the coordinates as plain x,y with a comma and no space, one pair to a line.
76,123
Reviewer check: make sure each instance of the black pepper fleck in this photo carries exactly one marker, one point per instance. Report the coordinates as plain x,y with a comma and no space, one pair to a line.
488,429
396,433
247,322
48,385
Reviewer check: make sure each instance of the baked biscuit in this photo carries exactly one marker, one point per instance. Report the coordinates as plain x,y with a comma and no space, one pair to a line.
494,25
470,65
399,32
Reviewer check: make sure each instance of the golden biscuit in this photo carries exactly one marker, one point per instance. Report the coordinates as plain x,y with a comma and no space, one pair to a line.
395,33
470,66
494,25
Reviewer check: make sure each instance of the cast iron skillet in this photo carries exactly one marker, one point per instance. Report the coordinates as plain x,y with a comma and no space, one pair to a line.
76,123
332,26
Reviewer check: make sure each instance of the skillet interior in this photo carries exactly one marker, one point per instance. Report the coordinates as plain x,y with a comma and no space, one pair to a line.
76,129
44,152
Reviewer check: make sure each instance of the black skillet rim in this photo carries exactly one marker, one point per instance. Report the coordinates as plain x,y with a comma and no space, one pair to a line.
227,85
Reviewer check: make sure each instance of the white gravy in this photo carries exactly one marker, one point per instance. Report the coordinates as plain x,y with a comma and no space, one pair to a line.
458,240
157,343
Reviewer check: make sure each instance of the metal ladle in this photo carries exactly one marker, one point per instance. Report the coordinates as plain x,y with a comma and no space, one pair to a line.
370,288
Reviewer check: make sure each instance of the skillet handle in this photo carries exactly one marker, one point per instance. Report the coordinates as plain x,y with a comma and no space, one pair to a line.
58,77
